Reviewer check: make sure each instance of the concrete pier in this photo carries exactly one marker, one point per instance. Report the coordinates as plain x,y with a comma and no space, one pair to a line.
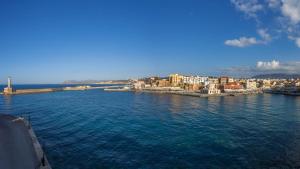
19,147
48,90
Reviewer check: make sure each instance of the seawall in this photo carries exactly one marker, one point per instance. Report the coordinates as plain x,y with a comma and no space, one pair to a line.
28,91
195,94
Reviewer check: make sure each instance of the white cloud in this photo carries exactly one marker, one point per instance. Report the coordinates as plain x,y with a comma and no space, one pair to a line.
290,23
249,7
264,35
277,67
242,42
291,9
295,39
249,41
283,18
265,67
273,65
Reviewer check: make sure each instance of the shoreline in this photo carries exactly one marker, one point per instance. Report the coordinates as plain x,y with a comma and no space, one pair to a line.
158,91
195,94
184,92
283,93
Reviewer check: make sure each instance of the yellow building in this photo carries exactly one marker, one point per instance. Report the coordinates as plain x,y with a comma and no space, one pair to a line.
266,83
175,80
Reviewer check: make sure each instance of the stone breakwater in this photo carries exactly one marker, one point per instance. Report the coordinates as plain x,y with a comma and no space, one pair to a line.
29,91
47,90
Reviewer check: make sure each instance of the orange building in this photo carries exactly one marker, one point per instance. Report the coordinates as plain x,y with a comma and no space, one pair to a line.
233,86
193,87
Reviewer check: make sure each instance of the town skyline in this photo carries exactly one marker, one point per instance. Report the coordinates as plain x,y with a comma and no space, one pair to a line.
50,42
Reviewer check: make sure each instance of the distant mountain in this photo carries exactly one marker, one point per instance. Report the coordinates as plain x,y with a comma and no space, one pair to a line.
80,81
277,76
96,82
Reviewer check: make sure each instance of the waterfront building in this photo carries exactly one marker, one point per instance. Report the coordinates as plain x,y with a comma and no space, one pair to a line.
251,85
230,80
8,89
233,87
280,84
163,83
195,80
223,80
213,80
244,81
139,85
175,80
274,83
193,87
150,80
266,84
153,80
211,89
147,86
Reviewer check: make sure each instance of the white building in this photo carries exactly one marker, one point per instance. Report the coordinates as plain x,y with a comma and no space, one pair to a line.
211,89
230,80
213,80
139,85
196,80
251,85
266,84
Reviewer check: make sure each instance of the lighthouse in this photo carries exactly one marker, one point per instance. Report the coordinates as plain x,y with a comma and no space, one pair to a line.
8,82
8,90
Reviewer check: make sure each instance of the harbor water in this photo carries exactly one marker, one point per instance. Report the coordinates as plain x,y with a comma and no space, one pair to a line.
95,129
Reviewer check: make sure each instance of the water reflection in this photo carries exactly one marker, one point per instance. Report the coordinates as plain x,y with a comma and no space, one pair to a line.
7,103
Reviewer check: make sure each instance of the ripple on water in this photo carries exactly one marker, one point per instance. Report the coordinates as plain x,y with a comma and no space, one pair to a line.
96,129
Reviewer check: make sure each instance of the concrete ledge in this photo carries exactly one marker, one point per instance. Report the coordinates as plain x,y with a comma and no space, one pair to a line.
37,147
19,146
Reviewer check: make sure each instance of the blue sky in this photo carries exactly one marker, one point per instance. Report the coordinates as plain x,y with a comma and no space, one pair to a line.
55,40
